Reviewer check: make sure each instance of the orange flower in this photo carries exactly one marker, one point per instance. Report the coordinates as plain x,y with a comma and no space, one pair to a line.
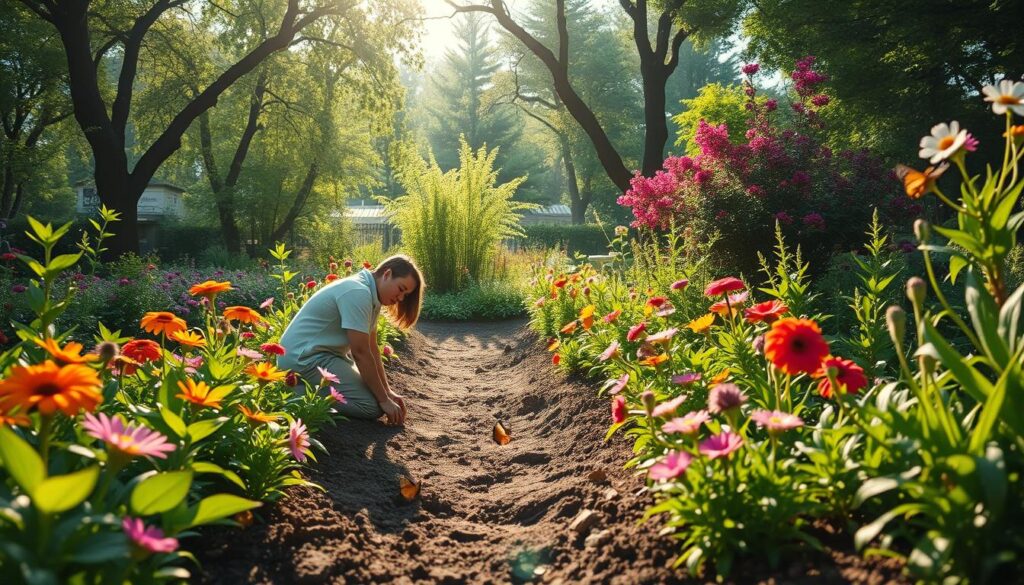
702,324
242,314
795,345
70,354
209,289
768,311
162,323
189,338
257,416
587,311
14,420
1016,131
587,323
50,387
570,328
141,351
265,372
719,378
553,344
654,360
201,394
127,365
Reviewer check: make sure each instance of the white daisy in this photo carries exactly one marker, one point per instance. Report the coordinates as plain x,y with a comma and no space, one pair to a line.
943,142
1009,94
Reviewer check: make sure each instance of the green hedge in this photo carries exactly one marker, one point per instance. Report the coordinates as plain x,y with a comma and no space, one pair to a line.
584,238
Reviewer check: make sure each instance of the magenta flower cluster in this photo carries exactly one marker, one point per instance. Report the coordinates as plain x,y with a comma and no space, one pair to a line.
741,184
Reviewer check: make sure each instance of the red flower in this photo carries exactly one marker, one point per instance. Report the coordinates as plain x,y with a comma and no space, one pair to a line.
849,375
724,285
331,277
656,302
618,409
635,331
768,311
611,317
311,284
292,379
795,345
556,359
142,350
274,348
367,265
7,257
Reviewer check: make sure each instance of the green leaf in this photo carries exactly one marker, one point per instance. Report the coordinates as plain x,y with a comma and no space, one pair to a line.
874,487
219,506
985,318
60,493
101,548
161,492
990,413
1009,320
868,532
207,467
62,263
198,431
21,460
174,422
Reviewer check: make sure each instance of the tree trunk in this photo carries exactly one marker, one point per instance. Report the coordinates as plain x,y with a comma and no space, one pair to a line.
7,198
577,204
300,201
655,120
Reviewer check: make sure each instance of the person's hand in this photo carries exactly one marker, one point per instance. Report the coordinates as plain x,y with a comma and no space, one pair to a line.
393,411
400,401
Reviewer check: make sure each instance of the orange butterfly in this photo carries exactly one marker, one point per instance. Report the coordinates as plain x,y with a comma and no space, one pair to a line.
500,435
918,183
409,489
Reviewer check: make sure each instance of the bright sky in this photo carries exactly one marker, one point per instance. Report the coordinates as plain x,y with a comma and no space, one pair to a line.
437,35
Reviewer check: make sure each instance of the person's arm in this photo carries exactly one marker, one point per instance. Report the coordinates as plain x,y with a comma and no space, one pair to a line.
367,362
375,347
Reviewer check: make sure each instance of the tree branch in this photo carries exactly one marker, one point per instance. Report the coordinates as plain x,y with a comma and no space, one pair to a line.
563,35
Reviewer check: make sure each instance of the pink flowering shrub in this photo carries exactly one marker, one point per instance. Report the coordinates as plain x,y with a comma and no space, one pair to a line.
782,171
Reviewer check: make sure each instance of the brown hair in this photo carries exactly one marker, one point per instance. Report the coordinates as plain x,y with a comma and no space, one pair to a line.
407,312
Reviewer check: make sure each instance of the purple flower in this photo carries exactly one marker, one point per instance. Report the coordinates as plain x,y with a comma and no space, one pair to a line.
725,397
720,445
18,288
673,465
687,378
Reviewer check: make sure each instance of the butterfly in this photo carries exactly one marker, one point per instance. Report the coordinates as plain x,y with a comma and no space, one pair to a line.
500,435
916,183
409,489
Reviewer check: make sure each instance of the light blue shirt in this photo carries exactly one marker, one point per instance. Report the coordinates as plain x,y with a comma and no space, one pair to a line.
320,325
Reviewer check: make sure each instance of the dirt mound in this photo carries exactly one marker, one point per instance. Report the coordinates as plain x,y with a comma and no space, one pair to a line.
551,506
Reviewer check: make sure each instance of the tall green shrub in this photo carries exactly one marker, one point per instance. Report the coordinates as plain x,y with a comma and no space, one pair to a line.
452,222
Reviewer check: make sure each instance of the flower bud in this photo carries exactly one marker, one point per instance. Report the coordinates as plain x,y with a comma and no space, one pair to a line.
648,400
107,350
759,344
922,229
896,321
917,290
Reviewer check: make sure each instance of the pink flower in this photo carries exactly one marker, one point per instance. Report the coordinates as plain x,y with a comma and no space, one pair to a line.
274,348
619,384
327,377
387,350
687,378
540,302
249,353
673,465
338,396
247,335
971,144
751,68
611,317
775,421
662,336
636,331
610,352
298,440
618,409
814,221
720,445
680,284
667,408
820,100
771,105
128,439
783,218
688,424
150,538
723,285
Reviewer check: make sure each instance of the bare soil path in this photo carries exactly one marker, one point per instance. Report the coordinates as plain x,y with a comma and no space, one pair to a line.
487,513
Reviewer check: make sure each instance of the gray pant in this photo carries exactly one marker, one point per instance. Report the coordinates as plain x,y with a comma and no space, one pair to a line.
359,400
